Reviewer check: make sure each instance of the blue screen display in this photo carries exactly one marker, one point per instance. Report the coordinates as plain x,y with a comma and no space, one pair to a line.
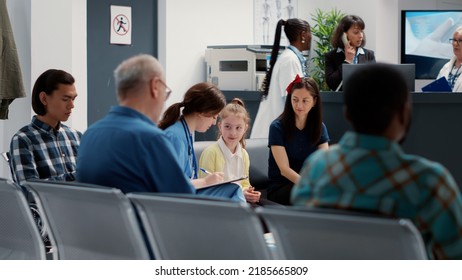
425,39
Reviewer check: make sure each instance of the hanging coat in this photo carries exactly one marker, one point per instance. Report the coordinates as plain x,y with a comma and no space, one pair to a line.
11,85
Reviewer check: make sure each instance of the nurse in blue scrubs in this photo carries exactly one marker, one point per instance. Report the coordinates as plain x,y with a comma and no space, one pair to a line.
197,112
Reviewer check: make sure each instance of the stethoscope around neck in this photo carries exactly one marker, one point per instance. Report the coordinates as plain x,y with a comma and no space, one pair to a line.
452,77
192,160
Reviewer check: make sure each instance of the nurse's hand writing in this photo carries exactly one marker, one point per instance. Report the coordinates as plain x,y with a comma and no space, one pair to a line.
214,178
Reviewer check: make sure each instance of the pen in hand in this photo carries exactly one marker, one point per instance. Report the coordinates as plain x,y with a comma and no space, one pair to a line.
205,171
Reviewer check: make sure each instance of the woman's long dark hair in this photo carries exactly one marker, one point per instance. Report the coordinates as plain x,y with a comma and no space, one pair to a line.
292,28
314,118
200,98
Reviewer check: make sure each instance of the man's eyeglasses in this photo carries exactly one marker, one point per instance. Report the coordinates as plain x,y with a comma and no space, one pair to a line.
168,91
457,41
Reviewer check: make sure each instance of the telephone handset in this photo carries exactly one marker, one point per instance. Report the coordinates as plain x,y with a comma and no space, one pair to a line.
345,40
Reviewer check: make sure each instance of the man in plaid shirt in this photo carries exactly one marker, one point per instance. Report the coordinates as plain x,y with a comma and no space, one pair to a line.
46,148
369,171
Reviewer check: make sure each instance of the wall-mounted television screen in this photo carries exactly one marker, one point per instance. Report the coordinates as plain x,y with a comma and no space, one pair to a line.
425,39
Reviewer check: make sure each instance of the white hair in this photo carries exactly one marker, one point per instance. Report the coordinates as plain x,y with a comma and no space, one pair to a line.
135,72
458,29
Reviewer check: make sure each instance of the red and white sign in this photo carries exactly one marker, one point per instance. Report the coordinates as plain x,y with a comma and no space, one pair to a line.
121,25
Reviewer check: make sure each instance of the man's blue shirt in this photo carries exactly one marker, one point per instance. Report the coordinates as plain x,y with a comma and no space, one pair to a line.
126,150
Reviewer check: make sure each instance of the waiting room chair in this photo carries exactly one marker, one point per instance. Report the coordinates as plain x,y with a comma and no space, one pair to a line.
337,235
89,222
6,157
198,229
200,146
19,235
259,153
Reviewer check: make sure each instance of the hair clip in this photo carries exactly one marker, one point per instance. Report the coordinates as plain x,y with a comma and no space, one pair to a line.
295,81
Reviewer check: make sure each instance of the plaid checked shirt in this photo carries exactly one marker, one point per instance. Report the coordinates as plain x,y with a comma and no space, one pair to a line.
371,173
38,151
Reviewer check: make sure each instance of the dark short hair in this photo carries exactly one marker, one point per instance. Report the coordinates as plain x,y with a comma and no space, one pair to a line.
373,95
48,82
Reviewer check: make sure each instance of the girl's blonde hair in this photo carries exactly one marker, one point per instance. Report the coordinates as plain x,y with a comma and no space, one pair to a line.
236,107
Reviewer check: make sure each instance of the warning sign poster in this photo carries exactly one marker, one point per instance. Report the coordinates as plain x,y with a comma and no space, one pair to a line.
121,25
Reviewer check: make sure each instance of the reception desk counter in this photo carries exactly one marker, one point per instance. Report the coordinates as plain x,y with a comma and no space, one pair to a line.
435,130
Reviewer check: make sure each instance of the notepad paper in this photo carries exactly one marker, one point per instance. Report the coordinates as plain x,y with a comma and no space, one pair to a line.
222,183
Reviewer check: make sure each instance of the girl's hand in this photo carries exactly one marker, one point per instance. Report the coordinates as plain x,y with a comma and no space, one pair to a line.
251,195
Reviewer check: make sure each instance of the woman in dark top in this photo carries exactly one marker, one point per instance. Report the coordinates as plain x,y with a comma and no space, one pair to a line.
349,49
293,136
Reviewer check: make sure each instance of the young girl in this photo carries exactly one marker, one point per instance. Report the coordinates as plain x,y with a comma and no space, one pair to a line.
228,154
293,136
197,112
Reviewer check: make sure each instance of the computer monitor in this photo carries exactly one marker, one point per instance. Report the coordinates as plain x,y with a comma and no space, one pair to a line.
425,38
406,70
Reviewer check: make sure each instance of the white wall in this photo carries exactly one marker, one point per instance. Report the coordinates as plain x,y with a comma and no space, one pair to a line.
189,27
386,33
58,40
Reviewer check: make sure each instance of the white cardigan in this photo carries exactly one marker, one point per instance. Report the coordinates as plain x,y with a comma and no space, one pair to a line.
446,69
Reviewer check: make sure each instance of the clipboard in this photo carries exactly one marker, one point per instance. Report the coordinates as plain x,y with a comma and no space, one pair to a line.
440,85
222,183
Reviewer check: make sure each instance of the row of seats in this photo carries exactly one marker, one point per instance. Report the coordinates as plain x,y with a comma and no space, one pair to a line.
93,222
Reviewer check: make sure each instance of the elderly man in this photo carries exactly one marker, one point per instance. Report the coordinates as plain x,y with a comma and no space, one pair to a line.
126,149
369,171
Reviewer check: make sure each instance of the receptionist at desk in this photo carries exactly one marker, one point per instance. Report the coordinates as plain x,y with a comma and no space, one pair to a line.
451,70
